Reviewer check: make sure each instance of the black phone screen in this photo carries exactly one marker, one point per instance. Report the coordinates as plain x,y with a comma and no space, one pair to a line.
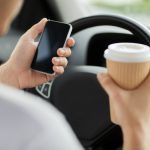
53,37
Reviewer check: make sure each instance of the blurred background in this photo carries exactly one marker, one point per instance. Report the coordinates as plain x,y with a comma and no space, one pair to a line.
67,11
137,9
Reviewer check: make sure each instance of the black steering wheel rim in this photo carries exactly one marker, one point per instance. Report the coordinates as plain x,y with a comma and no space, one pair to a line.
136,28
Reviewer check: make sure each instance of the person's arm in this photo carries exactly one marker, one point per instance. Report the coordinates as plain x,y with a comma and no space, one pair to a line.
130,110
136,139
17,70
8,10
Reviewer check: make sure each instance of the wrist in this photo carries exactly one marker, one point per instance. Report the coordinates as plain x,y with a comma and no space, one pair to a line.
136,138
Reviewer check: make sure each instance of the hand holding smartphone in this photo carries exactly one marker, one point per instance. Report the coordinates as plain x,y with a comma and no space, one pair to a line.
54,36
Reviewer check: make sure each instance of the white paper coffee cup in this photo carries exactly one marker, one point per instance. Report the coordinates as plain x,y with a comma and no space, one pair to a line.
128,64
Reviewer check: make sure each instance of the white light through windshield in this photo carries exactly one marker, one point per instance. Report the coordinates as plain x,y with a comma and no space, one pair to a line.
120,2
138,9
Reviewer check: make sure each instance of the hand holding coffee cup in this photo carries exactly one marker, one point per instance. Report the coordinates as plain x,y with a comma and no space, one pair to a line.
128,64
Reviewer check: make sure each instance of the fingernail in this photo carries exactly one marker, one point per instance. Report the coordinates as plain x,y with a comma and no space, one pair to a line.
62,52
44,20
72,40
56,59
57,68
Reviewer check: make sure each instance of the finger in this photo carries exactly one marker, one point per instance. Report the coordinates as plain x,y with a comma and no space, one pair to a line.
36,29
38,78
58,69
60,61
112,111
70,42
36,44
31,53
108,84
64,52
146,83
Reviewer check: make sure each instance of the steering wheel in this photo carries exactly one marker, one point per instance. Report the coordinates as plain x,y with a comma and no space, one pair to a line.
81,99
136,28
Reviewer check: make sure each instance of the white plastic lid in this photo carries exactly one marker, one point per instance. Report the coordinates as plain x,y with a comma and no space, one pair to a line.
128,52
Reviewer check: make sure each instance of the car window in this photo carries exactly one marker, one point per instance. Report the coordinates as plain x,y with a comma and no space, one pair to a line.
137,9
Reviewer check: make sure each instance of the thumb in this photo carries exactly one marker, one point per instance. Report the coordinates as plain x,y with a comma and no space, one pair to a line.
146,83
108,84
35,78
36,29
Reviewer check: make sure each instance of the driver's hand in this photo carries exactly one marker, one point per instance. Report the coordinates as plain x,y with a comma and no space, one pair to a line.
130,110
17,70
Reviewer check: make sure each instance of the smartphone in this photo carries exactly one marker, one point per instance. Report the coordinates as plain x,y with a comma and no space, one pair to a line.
54,36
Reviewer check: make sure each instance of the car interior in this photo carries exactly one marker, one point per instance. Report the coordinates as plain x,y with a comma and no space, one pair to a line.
77,93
